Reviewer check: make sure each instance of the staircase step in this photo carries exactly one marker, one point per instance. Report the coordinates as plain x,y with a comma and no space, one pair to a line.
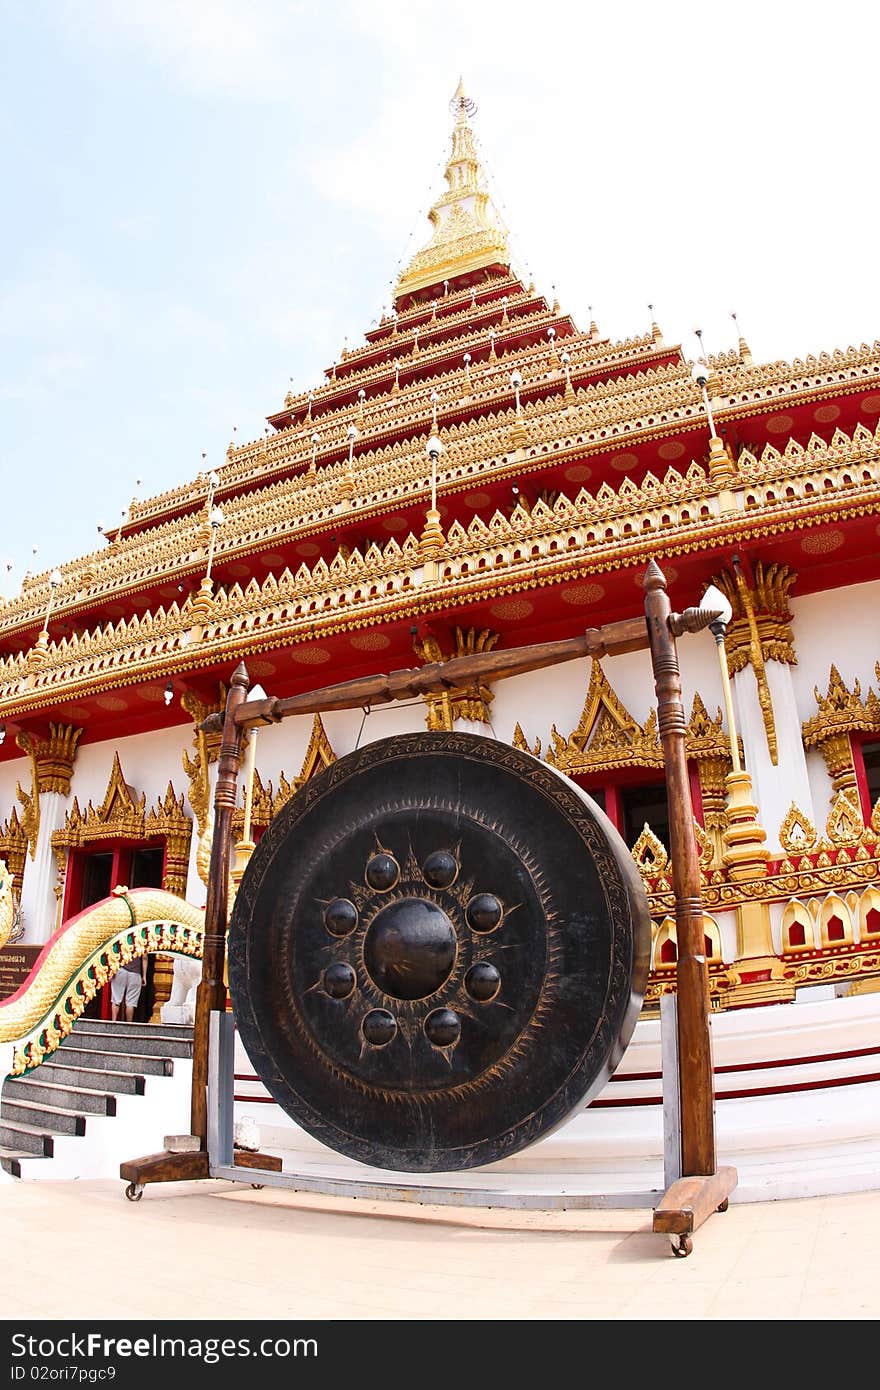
129,1083
95,1059
130,1038
15,1134
109,1026
173,1031
33,1089
45,1117
10,1160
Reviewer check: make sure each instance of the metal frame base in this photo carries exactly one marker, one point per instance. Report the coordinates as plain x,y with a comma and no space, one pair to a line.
221,1160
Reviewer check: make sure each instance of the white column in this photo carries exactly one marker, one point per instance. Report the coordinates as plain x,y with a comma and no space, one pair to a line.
775,786
39,905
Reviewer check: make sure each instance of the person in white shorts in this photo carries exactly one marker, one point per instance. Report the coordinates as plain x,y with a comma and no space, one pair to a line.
126,986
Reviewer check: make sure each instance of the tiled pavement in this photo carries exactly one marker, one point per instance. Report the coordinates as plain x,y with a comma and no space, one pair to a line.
217,1250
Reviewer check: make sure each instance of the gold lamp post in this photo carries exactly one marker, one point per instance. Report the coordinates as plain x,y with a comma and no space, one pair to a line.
245,846
720,470
431,542
201,604
38,652
714,599
518,434
757,974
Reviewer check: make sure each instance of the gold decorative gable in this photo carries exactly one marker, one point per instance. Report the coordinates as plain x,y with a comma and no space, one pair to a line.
841,710
706,737
841,713
119,807
119,816
607,736
123,816
319,754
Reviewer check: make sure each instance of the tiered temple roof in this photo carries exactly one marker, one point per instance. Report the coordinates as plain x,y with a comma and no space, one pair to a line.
568,459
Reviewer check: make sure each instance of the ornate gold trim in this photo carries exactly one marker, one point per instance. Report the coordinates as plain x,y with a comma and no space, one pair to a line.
606,737
458,702
553,544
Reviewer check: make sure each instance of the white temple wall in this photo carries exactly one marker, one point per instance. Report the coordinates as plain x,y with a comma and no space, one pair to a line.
821,789
148,761
727,926
344,729
283,747
839,626
15,770
774,785
538,700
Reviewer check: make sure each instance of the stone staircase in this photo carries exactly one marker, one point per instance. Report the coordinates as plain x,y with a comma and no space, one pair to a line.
97,1064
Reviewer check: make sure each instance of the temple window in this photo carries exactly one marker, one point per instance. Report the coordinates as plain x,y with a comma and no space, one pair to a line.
866,759
644,803
835,929
631,805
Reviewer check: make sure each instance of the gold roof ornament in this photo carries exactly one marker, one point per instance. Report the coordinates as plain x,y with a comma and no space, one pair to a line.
468,232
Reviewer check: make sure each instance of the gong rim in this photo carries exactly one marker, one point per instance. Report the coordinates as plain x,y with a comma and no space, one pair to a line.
419,1016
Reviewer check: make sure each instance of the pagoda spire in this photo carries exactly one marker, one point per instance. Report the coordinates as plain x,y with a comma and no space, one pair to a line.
468,234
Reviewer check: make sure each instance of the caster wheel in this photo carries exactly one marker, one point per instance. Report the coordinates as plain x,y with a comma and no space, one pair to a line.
682,1246
258,1186
725,1204
134,1192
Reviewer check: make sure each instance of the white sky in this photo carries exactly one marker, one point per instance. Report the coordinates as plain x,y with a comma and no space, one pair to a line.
203,198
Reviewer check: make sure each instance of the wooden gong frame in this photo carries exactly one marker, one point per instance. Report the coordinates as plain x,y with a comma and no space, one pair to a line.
702,1186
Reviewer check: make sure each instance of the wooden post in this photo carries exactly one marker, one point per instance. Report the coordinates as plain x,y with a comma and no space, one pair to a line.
696,1081
211,993
188,1158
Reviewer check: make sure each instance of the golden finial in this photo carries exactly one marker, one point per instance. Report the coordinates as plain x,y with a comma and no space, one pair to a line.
462,106
467,232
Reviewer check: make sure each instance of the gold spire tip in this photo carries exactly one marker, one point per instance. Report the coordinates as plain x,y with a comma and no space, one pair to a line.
461,104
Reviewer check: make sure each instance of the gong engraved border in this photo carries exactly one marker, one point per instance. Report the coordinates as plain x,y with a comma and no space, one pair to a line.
623,906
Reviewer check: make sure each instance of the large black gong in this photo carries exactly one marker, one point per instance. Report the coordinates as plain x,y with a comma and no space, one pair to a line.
438,949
